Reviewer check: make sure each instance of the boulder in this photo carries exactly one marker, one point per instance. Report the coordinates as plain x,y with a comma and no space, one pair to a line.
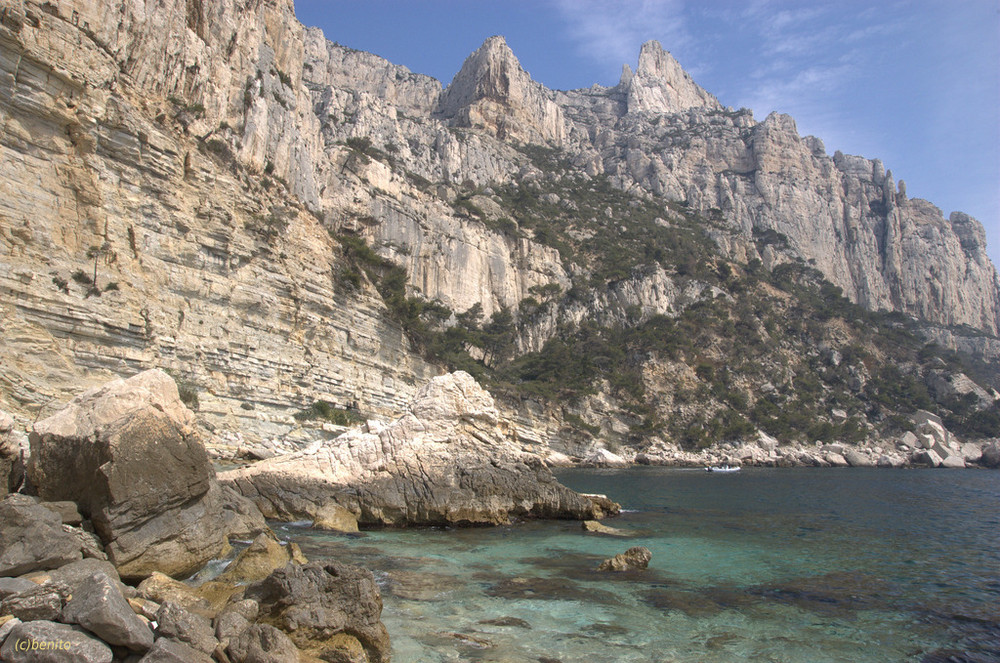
33,538
604,458
47,642
98,606
90,546
127,454
160,588
855,458
990,456
243,520
257,561
262,643
228,625
66,511
633,559
953,462
10,586
144,607
558,459
7,624
165,650
836,460
41,602
891,461
246,608
930,430
73,574
971,452
448,460
908,440
312,602
194,630
335,518
927,457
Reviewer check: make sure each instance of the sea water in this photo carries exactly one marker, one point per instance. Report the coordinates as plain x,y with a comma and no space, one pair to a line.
785,565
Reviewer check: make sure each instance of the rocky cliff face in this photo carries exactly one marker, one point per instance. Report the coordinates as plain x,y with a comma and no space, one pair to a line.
122,133
174,172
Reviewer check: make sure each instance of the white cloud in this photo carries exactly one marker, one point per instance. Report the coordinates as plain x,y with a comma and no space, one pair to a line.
611,31
806,62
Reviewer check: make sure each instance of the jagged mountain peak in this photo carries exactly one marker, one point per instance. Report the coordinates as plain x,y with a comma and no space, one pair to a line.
493,92
488,73
660,84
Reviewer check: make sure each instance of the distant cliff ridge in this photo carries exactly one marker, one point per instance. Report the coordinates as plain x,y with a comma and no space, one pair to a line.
186,183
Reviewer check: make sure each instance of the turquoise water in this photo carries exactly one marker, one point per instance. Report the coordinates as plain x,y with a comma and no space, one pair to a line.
764,565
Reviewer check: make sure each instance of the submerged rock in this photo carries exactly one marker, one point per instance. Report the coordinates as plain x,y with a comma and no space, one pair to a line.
515,622
600,528
447,460
335,518
633,559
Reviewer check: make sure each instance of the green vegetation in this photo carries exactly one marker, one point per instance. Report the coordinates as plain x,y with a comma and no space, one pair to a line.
270,226
186,389
196,109
82,277
612,247
327,411
777,351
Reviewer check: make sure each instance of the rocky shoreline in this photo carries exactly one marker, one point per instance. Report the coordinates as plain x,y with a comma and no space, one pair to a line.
121,501
111,500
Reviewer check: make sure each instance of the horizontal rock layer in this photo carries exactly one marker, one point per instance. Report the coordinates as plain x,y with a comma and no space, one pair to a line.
446,461
194,155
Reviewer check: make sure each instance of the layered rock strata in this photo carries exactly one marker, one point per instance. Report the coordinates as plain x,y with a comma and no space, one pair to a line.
172,171
445,461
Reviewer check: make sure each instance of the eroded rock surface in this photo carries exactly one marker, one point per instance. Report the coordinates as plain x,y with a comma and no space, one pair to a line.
445,461
127,454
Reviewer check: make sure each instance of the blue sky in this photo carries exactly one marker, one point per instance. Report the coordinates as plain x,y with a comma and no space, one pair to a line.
915,83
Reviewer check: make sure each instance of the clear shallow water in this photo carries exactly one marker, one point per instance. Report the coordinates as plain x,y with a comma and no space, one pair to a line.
763,565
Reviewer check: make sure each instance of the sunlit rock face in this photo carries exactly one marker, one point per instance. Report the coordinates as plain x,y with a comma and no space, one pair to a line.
195,156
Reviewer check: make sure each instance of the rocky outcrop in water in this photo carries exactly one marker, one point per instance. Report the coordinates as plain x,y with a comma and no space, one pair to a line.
445,461
634,559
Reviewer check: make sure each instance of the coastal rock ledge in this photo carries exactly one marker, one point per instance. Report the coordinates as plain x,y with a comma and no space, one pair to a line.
447,460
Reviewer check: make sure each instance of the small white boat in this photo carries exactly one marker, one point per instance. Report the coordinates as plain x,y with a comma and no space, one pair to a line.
723,468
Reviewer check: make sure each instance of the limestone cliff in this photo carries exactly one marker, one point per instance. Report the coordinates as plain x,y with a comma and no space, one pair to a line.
180,178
